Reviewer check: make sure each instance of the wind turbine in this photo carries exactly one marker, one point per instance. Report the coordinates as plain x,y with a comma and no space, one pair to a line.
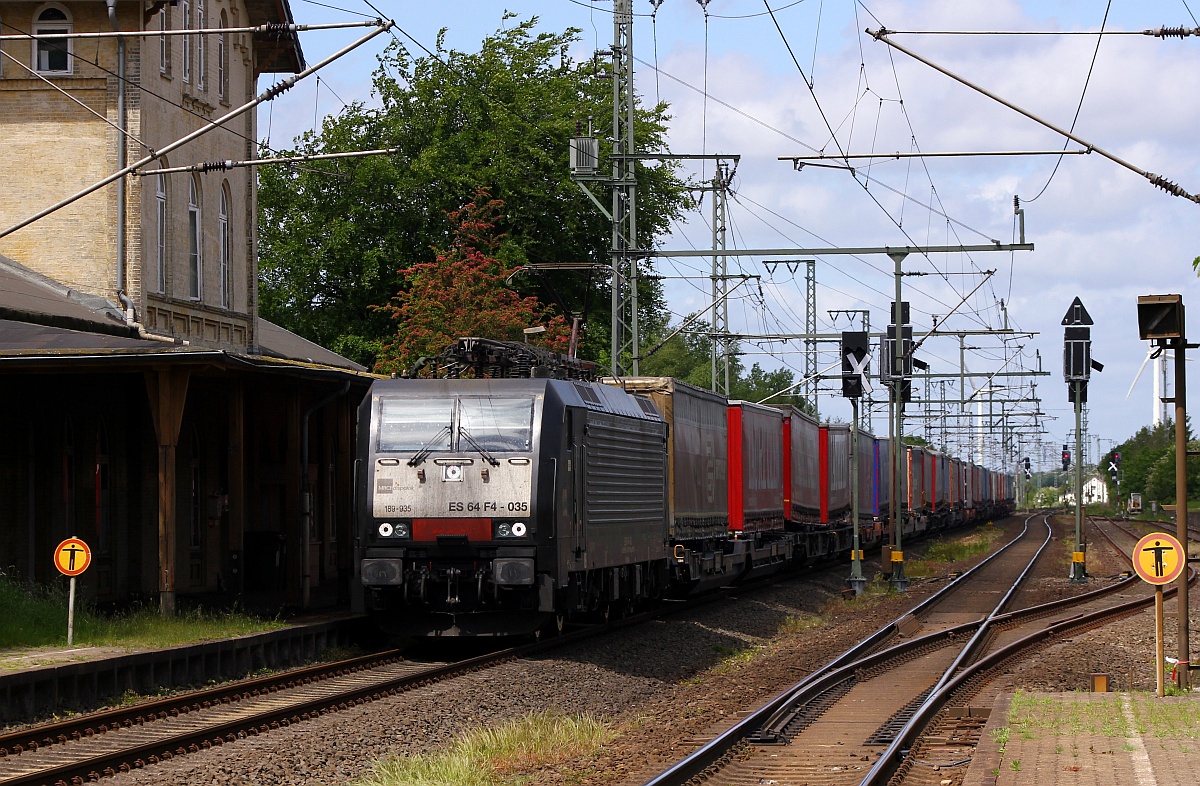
1160,381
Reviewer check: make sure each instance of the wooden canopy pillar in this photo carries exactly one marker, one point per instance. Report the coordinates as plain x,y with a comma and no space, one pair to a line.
167,389
235,545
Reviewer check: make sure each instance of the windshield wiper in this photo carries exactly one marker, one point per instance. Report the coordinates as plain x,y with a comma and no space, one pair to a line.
482,451
427,448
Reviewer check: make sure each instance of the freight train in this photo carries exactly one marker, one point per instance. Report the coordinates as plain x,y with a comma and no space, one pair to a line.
535,493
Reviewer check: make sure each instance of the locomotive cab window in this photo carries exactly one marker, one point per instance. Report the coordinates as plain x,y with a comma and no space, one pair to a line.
500,424
408,425
455,424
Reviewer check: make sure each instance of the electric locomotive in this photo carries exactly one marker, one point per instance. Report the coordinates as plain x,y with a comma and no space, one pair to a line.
492,506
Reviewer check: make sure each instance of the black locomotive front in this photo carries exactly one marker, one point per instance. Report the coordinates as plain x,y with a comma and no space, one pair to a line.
473,502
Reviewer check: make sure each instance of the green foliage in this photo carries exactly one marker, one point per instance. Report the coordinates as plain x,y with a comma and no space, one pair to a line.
334,237
462,293
688,356
1160,481
1148,464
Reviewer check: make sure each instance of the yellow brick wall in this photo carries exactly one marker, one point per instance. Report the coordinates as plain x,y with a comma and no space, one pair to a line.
51,147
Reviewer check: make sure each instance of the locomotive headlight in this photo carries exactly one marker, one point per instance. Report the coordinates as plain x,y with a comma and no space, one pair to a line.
398,529
510,529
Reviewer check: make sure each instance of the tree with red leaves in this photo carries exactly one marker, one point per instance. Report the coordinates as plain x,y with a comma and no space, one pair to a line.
463,293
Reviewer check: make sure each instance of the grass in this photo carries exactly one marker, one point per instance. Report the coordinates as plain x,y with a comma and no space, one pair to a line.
1105,717
1029,715
37,617
799,623
507,755
943,551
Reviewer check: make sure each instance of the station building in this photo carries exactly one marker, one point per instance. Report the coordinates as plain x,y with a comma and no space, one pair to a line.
202,452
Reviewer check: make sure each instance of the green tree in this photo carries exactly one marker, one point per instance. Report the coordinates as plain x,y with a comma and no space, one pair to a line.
334,237
462,293
1160,481
1139,454
688,356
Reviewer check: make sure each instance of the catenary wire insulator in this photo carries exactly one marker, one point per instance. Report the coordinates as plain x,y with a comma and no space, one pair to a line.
1169,187
1174,32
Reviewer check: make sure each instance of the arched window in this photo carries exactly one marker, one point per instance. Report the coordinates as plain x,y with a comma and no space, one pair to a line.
52,55
164,41
160,229
187,41
103,489
223,60
195,239
201,58
225,247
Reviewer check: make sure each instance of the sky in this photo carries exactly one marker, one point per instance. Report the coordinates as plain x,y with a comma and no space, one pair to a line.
807,79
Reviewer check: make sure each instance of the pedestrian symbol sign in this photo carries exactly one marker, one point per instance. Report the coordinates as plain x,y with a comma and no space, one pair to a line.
72,557
1159,558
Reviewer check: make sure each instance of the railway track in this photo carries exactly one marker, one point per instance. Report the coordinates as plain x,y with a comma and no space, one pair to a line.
885,711
88,747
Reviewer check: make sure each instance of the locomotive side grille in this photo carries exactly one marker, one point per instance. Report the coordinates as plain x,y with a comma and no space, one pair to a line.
626,471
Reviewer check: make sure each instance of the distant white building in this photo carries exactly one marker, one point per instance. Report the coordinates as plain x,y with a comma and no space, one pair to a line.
1095,491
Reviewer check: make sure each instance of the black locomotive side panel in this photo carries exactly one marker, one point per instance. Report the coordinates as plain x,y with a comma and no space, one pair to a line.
624,505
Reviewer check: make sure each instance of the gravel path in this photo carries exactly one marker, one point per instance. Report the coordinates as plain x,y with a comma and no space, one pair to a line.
664,686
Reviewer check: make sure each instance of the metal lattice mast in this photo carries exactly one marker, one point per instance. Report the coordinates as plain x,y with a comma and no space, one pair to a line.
625,347
810,327
719,350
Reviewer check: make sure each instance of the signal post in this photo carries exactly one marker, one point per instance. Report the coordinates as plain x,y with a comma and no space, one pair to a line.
856,374
1161,320
1077,370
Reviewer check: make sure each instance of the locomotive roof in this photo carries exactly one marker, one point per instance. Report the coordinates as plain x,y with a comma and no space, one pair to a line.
572,393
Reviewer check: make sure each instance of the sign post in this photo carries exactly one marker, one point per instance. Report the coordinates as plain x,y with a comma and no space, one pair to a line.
1159,559
72,557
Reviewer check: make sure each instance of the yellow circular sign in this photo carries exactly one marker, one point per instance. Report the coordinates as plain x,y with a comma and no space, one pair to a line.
1159,558
72,557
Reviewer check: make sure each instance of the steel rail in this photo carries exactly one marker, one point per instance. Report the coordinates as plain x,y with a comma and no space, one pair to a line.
717,749
888,763
896,755
137,756
40,736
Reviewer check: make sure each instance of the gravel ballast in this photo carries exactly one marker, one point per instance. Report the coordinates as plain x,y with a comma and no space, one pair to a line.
664,686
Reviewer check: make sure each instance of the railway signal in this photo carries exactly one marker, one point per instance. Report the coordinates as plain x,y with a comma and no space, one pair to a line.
856,360
1077,370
